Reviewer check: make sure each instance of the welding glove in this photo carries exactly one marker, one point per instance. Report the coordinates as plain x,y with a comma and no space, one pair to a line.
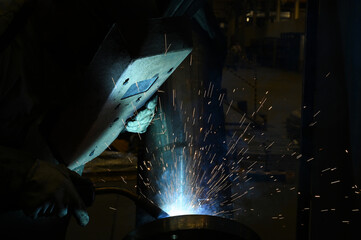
50,190
144,117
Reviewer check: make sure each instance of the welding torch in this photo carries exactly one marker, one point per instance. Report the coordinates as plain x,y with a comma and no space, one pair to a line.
88,193
139,200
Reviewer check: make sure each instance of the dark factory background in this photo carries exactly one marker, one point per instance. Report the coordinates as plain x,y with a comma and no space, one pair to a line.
274,86
296,64
291,69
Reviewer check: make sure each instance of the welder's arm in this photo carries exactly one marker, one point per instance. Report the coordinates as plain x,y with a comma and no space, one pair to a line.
39,188
144,117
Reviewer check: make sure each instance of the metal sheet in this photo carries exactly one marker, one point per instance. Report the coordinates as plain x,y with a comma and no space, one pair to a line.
130,54
193,227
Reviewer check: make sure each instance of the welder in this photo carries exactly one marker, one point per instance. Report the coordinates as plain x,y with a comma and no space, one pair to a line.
45,46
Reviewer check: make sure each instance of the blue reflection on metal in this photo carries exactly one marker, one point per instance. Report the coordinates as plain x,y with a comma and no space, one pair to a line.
140,87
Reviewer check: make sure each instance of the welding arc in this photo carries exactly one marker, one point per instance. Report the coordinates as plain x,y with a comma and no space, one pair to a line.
139,200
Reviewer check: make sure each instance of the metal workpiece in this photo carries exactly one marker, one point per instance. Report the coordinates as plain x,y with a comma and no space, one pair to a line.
133,61
193,227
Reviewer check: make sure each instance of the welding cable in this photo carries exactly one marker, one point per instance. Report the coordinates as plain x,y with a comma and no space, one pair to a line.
139,200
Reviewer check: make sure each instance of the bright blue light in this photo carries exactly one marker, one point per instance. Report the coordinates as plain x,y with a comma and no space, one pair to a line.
185,205
181,206
183,179
179,192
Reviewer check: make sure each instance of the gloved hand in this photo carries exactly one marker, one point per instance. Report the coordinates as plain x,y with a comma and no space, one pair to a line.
143,118
50,191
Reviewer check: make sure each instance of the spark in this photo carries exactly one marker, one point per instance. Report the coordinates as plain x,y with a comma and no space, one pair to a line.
337,181
312,124
251,139
316,113
252,164
270,145
221,99
326,169
262,102
209,90
248,179
123,179
209,118
107,146
115,86
179,179
166,47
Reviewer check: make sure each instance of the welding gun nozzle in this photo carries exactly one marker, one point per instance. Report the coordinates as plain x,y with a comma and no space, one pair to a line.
139,200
